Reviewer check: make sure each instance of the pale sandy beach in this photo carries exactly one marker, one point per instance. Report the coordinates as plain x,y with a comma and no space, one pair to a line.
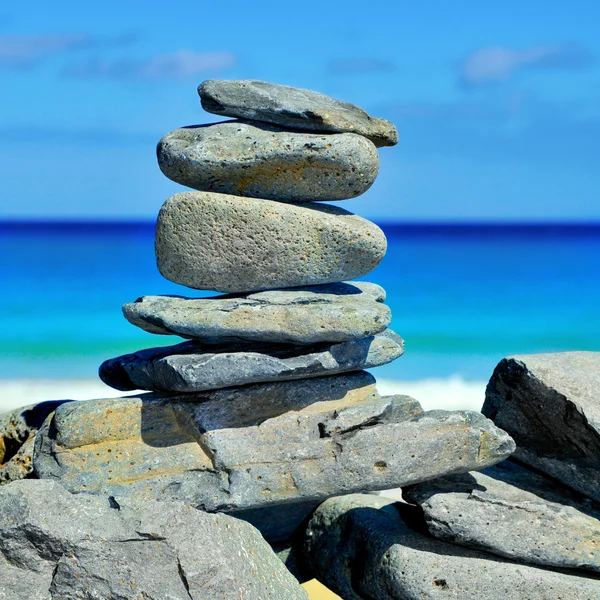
453,393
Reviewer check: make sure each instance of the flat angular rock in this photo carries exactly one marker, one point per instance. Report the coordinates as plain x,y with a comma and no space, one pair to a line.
333,313
196,367
260,445
17,432
264,161
212,241
292,107
550,404
512,512
364,546
58,546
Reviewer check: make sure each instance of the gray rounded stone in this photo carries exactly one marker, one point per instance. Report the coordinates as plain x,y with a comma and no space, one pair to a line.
265,161
212,241
329,313
292,107
196,367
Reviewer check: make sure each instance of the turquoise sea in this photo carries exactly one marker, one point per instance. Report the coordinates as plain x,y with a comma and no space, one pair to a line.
462,296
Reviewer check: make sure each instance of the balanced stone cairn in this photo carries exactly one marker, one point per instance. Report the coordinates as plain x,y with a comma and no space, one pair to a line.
266,410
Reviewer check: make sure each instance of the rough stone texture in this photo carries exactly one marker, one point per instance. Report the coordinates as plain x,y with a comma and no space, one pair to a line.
292,107
218,242
364,546
264,161
332,313
550,404
195,367
17,432
510,511
59,546
262,444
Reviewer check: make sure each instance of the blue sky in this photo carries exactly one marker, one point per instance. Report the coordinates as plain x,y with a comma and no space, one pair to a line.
497,103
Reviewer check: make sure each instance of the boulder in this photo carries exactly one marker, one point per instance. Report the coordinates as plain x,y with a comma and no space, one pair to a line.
364,546
58,546
196,367
292,107
303,316
219,242
511,511
264,161
550,404
17,432
261,445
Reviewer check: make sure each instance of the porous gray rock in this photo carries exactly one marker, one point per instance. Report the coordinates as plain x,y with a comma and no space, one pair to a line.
265,161
58,546
292,107
333,313
261,445
226,243
17,432
196,367
511,511
364,546
550,404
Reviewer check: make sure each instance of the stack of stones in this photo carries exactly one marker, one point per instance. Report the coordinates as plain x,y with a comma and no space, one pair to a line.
266,410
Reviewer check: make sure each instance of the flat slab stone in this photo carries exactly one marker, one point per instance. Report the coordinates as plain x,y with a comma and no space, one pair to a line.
196,367
511,511
58,546
333,313
292,107
260,445
364,546
212,241
18,429
264,161
550,404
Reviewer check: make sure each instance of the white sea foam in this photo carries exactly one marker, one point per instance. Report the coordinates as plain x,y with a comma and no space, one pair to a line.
453,393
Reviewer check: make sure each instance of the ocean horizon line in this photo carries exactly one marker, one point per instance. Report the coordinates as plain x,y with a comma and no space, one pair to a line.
413,223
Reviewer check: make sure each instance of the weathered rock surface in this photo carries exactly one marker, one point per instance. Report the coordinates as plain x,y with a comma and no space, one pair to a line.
292,107
265,161
226,243
17,432
58,546
333,313
196,367
550,404
364,546
262,444
510,511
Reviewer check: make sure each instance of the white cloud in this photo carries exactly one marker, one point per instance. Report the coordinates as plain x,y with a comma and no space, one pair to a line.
21,51
176,65
498,63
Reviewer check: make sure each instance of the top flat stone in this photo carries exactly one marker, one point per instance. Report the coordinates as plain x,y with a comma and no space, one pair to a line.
292,107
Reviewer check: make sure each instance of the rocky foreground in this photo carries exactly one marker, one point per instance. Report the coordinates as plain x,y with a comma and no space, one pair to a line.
265,412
